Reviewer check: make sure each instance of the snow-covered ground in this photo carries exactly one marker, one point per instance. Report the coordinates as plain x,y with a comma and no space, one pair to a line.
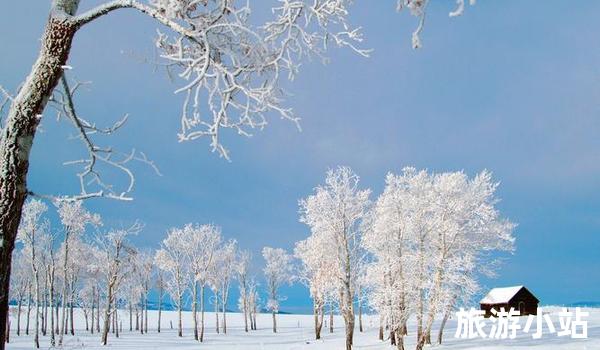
295,333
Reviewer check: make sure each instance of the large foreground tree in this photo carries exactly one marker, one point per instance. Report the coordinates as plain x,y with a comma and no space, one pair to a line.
227,64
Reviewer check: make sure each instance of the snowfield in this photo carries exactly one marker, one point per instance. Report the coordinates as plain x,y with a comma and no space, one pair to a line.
295,332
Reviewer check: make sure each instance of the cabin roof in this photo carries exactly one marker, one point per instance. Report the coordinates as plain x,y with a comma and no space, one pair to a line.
500,295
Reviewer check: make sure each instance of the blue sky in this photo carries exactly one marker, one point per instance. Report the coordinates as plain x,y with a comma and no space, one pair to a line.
511,86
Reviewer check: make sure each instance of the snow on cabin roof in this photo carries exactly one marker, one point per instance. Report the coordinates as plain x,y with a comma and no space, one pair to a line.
500,295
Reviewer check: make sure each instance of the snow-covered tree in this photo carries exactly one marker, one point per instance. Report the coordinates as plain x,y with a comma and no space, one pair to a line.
113,252
159,283
253,302
398,226
202,243
316,257
173,260
467,224
32,226
225,270
429,234
243,277
143,267
220,55
74,218
278,271
334,213
20,283
49,261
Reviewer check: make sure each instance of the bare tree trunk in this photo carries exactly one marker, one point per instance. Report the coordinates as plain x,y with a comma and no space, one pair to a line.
318,311
146,311
116,319
160,296
224,324
71,306
130,317
52,332
399,340
107,317
63,323
28,309
45,311
202,313
274,322
380,337
245,309
98,313
195,308
180,324
19,306
56,330
142,314
330,318
217,312
426,336
36,337
86,316
7,329
93,307
349,331
360,322
444,320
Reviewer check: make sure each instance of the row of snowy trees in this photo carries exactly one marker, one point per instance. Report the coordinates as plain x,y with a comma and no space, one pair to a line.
107,277
416,251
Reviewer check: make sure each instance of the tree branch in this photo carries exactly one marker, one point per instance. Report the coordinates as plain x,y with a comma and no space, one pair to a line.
108,7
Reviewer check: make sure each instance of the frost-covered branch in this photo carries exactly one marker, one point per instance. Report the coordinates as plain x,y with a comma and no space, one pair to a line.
90,175
418,8
231,69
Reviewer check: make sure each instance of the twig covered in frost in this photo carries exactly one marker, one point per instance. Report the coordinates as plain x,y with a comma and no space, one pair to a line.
231,70
90,175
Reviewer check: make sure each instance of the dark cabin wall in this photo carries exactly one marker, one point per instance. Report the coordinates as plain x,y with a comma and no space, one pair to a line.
530,303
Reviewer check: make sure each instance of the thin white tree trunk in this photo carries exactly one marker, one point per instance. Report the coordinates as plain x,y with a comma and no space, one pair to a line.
202,312
195,308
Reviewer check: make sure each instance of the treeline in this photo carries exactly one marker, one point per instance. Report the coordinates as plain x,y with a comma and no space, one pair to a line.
80,265
417,250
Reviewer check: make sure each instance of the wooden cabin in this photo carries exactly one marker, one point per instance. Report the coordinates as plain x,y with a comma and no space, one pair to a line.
517,297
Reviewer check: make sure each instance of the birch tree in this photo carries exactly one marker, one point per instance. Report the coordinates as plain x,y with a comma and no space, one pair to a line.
335,212
172,259
429,235
49,265
113,251
243,277
315,255
160,287
468,223
225,273
253,302
202,247
219,56
143,268
277,271
74,218
30,230
398,238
